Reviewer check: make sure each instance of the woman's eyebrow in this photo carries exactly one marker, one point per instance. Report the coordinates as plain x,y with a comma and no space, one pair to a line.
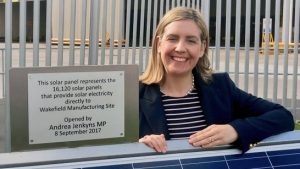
188,37
172,35
193,38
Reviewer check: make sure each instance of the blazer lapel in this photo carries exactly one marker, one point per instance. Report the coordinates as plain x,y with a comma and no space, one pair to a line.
153,110
205,94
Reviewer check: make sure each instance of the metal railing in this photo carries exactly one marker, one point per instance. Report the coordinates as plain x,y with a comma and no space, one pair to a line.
120,32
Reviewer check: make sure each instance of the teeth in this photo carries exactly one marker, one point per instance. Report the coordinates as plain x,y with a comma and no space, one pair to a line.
180,59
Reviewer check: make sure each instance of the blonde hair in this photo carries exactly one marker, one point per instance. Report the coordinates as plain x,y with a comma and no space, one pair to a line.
155,72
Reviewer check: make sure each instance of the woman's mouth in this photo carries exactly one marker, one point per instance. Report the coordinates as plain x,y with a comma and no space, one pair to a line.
179,59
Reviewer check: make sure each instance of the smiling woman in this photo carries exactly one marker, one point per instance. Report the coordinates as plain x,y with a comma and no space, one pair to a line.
180,97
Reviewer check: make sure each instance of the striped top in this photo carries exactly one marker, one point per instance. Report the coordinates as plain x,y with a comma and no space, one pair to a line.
184,115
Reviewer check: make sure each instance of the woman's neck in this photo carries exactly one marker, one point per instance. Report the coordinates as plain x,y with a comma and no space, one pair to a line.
177,86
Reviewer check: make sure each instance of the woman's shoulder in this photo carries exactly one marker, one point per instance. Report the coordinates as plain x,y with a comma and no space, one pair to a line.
220,80
143,86
220,75
146,87
149,91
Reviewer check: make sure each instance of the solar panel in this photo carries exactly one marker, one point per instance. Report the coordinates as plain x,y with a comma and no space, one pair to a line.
277,152
273,159
269,159
279,159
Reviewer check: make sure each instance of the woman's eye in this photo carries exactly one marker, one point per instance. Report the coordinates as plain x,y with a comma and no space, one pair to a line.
192,41
172,39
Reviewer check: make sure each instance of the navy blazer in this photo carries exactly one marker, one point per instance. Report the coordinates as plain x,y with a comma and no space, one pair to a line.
222,103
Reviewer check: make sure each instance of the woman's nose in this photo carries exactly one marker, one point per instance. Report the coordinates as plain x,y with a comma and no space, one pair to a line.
180,46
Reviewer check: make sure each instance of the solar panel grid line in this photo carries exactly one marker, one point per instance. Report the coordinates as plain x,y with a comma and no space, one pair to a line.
250,162
269,160
290,166
180,163
226,162
286,159
148,165
206,162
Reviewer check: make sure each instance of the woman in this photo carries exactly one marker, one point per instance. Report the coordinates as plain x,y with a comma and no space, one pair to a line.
180,97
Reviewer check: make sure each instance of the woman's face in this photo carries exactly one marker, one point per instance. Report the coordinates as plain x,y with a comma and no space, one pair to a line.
180,47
